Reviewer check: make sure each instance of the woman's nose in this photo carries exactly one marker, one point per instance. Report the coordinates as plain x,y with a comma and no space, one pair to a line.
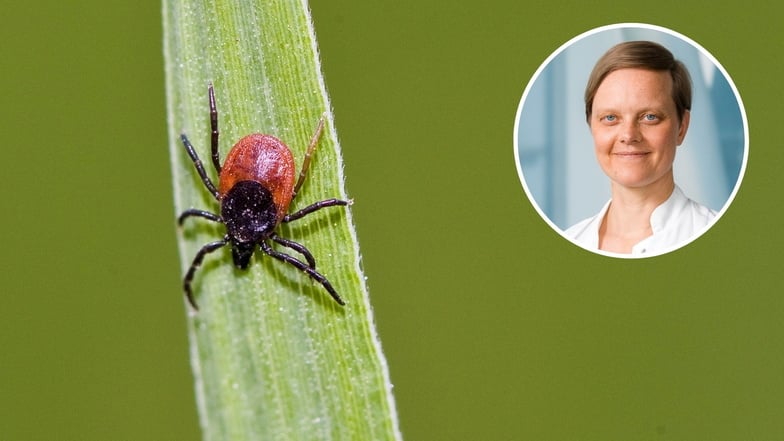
630,132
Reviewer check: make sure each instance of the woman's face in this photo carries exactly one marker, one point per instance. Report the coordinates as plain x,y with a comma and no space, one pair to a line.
635,127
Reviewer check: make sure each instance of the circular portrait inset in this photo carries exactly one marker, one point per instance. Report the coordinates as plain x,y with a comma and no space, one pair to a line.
631,140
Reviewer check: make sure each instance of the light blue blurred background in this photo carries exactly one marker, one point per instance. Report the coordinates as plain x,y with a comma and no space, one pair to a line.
555,148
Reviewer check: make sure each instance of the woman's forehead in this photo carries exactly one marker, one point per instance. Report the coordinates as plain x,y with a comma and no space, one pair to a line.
633,86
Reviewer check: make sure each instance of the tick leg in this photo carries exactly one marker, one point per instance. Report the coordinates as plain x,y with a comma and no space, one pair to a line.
314,207
214,126
306,162
198,213
315,275
296,247
199,166
206,249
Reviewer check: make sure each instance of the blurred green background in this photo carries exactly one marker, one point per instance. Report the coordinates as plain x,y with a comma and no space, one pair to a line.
494,327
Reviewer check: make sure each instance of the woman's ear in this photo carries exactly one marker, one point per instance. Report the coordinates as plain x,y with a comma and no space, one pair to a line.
684,126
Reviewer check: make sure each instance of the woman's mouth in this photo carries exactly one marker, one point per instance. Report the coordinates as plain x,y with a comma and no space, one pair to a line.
631,155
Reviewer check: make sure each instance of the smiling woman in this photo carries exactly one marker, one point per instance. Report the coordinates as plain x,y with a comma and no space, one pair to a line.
638,106
641,132
636,128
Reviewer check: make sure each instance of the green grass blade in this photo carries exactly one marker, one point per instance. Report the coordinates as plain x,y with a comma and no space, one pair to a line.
274,357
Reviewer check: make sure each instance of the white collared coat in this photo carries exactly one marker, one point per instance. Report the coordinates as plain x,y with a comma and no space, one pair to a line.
676,222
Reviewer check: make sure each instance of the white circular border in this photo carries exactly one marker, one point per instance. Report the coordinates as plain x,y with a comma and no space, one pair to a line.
655,28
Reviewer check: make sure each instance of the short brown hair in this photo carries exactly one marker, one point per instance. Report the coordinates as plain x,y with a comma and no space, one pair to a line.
641,55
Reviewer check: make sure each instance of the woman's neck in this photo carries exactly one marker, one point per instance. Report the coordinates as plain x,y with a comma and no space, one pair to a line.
628,219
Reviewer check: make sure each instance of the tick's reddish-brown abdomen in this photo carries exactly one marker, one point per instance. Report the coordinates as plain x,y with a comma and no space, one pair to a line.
264,159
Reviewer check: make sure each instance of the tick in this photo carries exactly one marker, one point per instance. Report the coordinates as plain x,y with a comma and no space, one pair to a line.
255,189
